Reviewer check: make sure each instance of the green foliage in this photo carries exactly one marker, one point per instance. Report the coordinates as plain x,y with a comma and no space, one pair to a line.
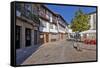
80,22
34,17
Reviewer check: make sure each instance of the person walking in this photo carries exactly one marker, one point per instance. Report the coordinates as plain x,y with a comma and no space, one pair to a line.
76,41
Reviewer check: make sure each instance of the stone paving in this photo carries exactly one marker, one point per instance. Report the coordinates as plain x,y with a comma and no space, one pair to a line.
24,53
61,51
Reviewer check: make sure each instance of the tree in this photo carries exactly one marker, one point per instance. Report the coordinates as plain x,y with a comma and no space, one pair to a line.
80,22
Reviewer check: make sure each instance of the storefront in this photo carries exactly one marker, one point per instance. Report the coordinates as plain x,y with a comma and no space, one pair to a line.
26,34
54,37
44,37
89,34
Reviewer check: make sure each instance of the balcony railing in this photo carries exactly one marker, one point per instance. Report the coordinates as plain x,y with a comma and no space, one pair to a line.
18,7
25,13
54,21
43,15
62,23
29,15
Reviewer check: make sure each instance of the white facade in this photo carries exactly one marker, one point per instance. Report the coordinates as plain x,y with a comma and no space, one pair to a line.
54,29
93,21
91,33
61,29
44,26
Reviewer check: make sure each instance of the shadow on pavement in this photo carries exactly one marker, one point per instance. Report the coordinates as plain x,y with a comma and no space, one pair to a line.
24,53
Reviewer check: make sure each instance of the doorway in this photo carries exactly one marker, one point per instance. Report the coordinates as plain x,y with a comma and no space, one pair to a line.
41,38
61,35
28,36
47,37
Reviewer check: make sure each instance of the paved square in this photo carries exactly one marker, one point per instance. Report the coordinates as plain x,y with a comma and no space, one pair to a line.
61,51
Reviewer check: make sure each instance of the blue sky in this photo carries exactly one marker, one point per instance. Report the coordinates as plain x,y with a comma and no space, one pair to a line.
68,12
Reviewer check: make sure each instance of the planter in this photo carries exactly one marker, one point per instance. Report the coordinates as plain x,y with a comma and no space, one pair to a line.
88,41
93,42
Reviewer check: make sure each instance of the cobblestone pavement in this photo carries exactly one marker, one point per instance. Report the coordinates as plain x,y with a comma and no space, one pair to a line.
61,51
24,53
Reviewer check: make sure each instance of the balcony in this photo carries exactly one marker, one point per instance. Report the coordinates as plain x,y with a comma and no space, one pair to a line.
18,13
62,23
25,13
29,15
47,17
44,16
18,10
54,21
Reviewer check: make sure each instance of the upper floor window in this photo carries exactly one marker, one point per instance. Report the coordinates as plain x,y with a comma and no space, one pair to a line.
43,23
61,27
27,10
54,19
28,7
48,14
18,9
18,6
50,17
35,9
42,11
61,22
56,27
51,26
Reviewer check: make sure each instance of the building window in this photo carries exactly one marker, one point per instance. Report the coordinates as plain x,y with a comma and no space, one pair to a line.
18,6
54,19
51,26
34,9
50,17
48,14
43,23
61,21
26,11
41,11
28,7
61,28
55,27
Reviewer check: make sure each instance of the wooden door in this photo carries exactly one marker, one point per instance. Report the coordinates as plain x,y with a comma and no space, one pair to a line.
28,36
47,37
41,38
35,37
61,36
